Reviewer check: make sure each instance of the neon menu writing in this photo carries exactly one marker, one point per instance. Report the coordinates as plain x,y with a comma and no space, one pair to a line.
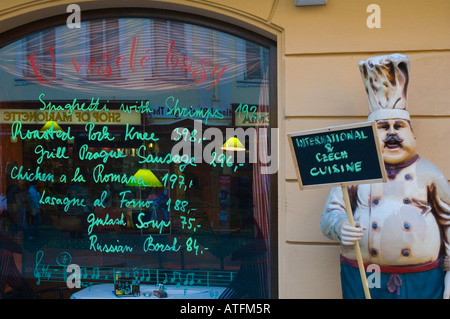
181,210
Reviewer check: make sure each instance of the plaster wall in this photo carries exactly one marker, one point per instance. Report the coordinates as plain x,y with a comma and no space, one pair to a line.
319,85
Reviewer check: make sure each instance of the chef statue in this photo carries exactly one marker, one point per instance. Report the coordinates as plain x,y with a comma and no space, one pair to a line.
402,225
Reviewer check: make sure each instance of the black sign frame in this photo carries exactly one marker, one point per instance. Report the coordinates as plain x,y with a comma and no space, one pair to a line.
337,155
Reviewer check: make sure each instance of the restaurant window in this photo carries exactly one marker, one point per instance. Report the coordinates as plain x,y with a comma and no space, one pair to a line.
144,164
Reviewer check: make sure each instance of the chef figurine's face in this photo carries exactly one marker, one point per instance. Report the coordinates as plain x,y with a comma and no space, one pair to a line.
398,143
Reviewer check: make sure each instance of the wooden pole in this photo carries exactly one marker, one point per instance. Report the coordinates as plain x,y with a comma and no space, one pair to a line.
357,247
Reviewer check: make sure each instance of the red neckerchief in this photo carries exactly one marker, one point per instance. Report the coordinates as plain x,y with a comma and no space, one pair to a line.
393,169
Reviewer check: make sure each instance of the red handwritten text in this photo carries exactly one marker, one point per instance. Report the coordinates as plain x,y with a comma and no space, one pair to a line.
204,72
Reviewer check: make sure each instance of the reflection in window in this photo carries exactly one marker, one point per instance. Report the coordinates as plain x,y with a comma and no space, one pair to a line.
169,43
103,47
36,58
255,61
123,166
43,43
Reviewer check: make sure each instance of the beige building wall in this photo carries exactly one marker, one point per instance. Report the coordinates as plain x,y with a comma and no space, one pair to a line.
319,85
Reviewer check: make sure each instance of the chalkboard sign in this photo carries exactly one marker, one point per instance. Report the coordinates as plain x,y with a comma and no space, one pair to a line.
338,155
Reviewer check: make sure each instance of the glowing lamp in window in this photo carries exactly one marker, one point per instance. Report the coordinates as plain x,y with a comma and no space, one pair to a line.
147,177
233,144
51,124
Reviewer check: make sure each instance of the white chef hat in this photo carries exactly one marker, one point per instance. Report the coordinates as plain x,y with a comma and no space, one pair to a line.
386,80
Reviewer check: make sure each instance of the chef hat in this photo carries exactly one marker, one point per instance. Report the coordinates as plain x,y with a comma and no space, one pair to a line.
386,80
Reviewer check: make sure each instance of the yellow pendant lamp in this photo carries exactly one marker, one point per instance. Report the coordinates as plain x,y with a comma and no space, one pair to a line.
51,124
233,144
147,177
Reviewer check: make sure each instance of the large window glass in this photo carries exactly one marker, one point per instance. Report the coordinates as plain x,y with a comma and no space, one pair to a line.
137,150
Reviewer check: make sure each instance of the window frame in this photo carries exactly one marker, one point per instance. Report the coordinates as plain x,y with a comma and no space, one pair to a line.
23,31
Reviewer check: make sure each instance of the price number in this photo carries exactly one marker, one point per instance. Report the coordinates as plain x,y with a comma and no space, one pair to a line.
183,133
248,111
174,180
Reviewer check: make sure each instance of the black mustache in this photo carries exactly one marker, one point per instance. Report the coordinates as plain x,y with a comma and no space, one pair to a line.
393,137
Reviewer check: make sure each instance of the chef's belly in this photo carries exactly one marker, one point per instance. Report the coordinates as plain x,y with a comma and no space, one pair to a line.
397,235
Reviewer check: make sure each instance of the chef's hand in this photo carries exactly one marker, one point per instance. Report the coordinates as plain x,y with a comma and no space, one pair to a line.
447,285
349,235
